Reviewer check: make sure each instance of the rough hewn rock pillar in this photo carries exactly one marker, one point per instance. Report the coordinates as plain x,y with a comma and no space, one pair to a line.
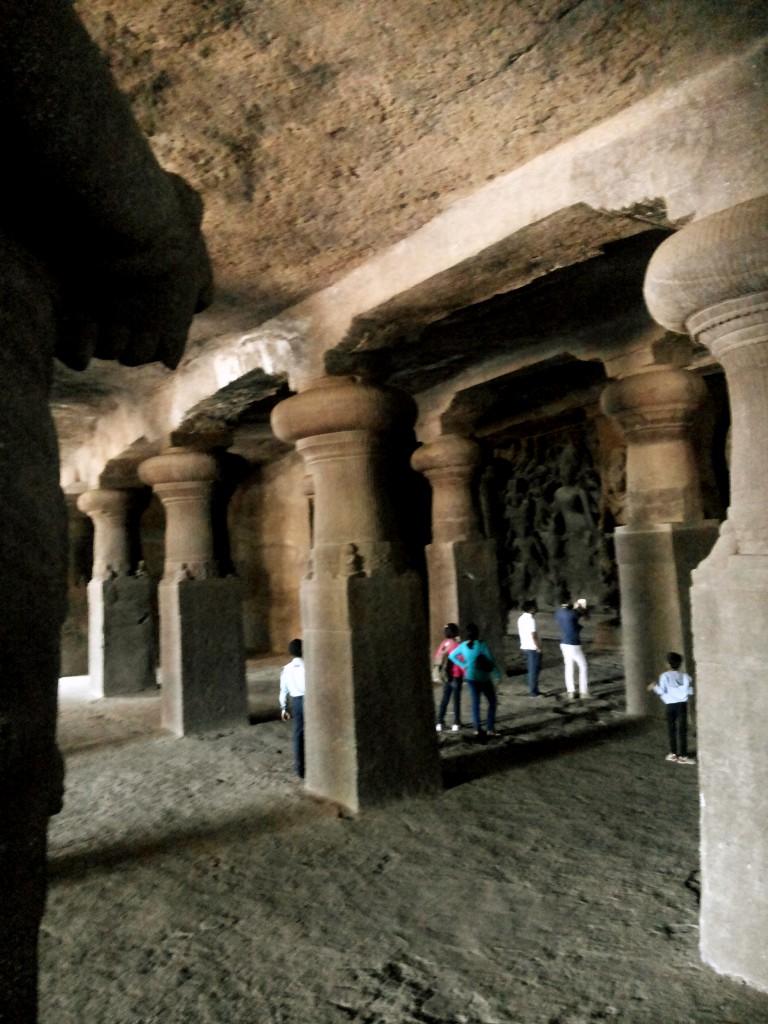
33,572
711,279
74,632
369,708
121,649
665,536
201,648
462,564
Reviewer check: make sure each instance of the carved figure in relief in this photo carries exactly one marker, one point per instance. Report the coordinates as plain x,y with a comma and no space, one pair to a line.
572,507
614,490
553,509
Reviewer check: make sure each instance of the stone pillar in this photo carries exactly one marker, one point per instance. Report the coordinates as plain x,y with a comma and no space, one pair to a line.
201,648
462,564
369,710
121,647
74,632
665,536
711,279
108,510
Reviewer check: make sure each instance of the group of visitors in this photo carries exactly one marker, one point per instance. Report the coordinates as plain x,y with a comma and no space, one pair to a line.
456,661
471,660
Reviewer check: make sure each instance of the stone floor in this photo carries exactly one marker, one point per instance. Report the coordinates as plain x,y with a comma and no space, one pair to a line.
554,881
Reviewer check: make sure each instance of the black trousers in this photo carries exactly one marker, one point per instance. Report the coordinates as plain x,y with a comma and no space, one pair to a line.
677,726
297,710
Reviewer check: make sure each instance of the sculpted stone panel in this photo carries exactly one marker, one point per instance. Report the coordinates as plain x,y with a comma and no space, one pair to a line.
558,498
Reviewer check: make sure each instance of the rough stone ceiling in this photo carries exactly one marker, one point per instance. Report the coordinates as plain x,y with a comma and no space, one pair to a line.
552,389
320,133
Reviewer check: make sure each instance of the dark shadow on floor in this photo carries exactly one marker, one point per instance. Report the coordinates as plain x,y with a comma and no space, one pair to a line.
255,824
479,757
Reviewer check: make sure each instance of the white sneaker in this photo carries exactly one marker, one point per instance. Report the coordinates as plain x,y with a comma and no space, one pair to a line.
455,728
438,728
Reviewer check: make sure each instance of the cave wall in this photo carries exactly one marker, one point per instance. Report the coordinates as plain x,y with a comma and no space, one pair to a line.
269,543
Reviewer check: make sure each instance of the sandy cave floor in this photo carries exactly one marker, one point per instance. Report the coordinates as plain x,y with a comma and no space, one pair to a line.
552,882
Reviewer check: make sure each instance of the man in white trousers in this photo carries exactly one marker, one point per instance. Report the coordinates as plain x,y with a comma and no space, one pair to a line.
568,617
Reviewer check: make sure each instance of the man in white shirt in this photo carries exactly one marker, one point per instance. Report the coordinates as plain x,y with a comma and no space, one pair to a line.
293,685
530,646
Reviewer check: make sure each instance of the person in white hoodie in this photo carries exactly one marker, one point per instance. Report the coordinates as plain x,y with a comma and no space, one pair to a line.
293,685
675,687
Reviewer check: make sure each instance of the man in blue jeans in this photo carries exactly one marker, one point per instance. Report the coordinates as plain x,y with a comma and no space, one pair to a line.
293,685
530,645
474,657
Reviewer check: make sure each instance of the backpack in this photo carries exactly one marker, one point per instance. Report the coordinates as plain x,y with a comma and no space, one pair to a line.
446,668
483,663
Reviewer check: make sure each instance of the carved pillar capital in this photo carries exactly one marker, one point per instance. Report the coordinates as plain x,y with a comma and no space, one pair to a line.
655,409
108,509
179,465
711,279
343,429
182,479
712,261
449,463
335,404
657,403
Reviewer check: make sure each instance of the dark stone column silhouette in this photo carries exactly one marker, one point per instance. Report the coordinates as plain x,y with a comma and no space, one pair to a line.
370,734
711,280
100,254
74,633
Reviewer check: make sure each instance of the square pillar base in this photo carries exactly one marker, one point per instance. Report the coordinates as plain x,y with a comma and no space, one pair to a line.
655,564
121,643
730,626
369,710
201,656
464,587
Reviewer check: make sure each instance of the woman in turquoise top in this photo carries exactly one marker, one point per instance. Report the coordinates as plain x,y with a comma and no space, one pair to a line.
479,666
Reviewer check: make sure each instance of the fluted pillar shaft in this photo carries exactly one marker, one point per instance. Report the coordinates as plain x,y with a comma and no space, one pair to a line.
450,463
74,632
121,645
369,731
108,511
711,279
666,535
462,564
655,409
201,646
182,480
